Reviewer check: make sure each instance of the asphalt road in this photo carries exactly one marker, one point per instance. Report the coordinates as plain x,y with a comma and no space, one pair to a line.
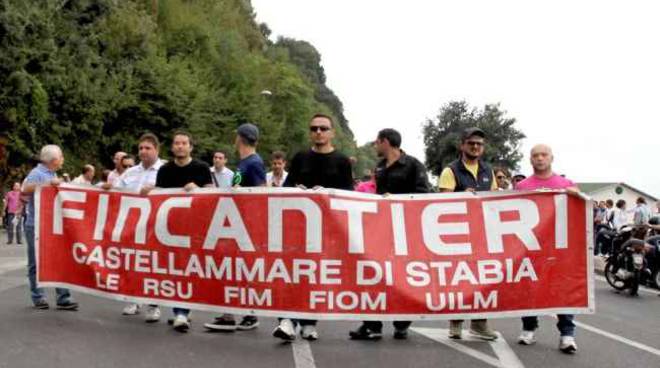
625,332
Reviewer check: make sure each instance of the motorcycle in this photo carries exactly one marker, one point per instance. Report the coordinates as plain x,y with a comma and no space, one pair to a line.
653,259
627,267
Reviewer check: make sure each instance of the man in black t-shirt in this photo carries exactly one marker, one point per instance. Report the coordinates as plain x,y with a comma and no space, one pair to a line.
320,167
187,173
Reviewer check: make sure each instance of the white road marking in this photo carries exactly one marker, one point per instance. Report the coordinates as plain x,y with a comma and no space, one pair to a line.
618,338
12,265
506,358
302,354
504,352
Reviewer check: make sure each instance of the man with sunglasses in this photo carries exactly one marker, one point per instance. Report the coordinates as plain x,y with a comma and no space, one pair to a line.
469,174
320,167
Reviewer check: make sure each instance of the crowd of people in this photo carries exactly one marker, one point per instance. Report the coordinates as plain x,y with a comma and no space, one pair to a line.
610,218
321,166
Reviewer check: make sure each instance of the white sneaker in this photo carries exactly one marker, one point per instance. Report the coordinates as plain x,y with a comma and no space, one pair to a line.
152,315
285,330
131,310
309,333
526,338
567,344
181,323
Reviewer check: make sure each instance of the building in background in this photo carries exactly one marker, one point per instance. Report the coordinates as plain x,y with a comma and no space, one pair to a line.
615,191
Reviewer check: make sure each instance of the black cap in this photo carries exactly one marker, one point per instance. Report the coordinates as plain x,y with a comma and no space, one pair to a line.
469,132
248,131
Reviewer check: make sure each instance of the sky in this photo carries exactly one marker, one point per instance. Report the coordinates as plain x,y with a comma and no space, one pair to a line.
582,76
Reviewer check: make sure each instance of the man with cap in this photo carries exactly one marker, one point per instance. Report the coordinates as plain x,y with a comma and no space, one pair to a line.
250,172
469,174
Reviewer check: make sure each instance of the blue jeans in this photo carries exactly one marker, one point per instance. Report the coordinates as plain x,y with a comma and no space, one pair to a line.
10,229
181,311
565,324
38,294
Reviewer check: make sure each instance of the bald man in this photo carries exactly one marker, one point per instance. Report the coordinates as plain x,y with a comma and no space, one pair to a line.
541,158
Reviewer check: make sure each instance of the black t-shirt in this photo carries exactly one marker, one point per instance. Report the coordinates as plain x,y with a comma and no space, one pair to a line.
329,170
171,175
406,175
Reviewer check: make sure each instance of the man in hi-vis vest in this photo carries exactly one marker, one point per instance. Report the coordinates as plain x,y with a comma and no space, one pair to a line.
469,174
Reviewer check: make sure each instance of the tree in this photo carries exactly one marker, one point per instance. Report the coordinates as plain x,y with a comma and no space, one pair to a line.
92,75
442,135
367,159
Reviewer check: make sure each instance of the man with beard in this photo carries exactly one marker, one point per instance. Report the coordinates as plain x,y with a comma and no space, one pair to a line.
189,174
469,174
396,173
320,167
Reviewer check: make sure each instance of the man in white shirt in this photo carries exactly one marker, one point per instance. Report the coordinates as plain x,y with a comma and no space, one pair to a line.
619,215
222,176
86,177
116,173
141,179
278,175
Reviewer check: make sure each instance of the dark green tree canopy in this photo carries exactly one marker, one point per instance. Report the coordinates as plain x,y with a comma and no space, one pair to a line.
442,135
92,75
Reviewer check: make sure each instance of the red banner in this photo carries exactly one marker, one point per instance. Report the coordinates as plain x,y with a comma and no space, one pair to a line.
322,254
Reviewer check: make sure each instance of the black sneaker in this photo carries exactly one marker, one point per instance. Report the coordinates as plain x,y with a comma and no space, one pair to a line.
248,323
364,333
42,304
401,334
69,306
224,323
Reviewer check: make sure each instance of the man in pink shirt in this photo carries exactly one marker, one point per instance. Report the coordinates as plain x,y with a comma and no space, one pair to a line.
544,178
14,208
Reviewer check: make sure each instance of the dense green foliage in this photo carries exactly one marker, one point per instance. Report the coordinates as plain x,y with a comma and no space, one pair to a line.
92,75
442,135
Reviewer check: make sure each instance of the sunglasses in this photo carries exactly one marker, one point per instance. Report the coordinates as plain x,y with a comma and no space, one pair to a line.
500,177
316,128
474,143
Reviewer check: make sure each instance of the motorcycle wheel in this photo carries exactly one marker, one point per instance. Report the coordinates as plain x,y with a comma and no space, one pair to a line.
611,278
656,279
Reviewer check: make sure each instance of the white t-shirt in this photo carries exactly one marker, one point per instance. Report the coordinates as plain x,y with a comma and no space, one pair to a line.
270,177
136,177
81,180
224,178
620,219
